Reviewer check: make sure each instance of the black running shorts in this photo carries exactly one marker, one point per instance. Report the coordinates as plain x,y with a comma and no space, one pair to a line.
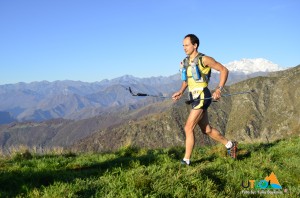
197,102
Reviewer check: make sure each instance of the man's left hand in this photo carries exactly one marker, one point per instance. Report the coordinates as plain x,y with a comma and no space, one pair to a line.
217,94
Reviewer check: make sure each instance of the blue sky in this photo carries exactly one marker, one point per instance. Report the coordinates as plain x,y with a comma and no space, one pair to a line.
92,40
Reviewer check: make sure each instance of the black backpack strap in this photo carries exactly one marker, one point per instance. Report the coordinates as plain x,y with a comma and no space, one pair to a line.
185,62
200,56
196,59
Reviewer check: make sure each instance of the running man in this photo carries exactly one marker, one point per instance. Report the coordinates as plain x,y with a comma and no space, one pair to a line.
196,72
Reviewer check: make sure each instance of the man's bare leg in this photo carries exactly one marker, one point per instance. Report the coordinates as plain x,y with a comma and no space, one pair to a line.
211,132
193,119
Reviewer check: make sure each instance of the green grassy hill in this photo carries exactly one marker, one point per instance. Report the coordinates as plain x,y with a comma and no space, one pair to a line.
134,172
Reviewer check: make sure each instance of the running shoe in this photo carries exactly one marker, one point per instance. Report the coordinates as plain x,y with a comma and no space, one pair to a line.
232,152
185,163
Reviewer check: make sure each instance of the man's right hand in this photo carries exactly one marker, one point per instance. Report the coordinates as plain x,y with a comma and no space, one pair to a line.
177,95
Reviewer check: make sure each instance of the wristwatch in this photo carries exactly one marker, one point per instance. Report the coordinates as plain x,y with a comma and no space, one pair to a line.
220,88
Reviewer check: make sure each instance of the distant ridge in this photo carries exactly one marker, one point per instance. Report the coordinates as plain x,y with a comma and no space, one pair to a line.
40,101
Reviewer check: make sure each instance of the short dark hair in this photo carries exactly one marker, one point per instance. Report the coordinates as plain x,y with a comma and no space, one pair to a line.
194,39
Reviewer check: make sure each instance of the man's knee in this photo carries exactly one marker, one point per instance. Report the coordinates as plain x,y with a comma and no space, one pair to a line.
187,129
206,130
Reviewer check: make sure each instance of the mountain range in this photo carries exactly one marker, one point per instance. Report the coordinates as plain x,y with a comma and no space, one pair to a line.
271,112
76,100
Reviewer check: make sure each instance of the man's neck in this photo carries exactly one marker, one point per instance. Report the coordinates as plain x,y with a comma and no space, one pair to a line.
193,55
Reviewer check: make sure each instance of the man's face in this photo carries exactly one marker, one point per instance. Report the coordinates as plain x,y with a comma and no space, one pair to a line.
188,47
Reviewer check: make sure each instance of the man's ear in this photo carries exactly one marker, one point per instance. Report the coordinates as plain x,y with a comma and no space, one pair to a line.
195,46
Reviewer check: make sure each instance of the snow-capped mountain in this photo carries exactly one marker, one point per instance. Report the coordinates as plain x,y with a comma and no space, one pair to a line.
249,66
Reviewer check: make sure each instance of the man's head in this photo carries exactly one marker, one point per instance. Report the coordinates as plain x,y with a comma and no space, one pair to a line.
190,44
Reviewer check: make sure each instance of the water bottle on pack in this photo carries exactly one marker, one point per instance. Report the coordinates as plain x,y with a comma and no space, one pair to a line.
195,71
183,72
